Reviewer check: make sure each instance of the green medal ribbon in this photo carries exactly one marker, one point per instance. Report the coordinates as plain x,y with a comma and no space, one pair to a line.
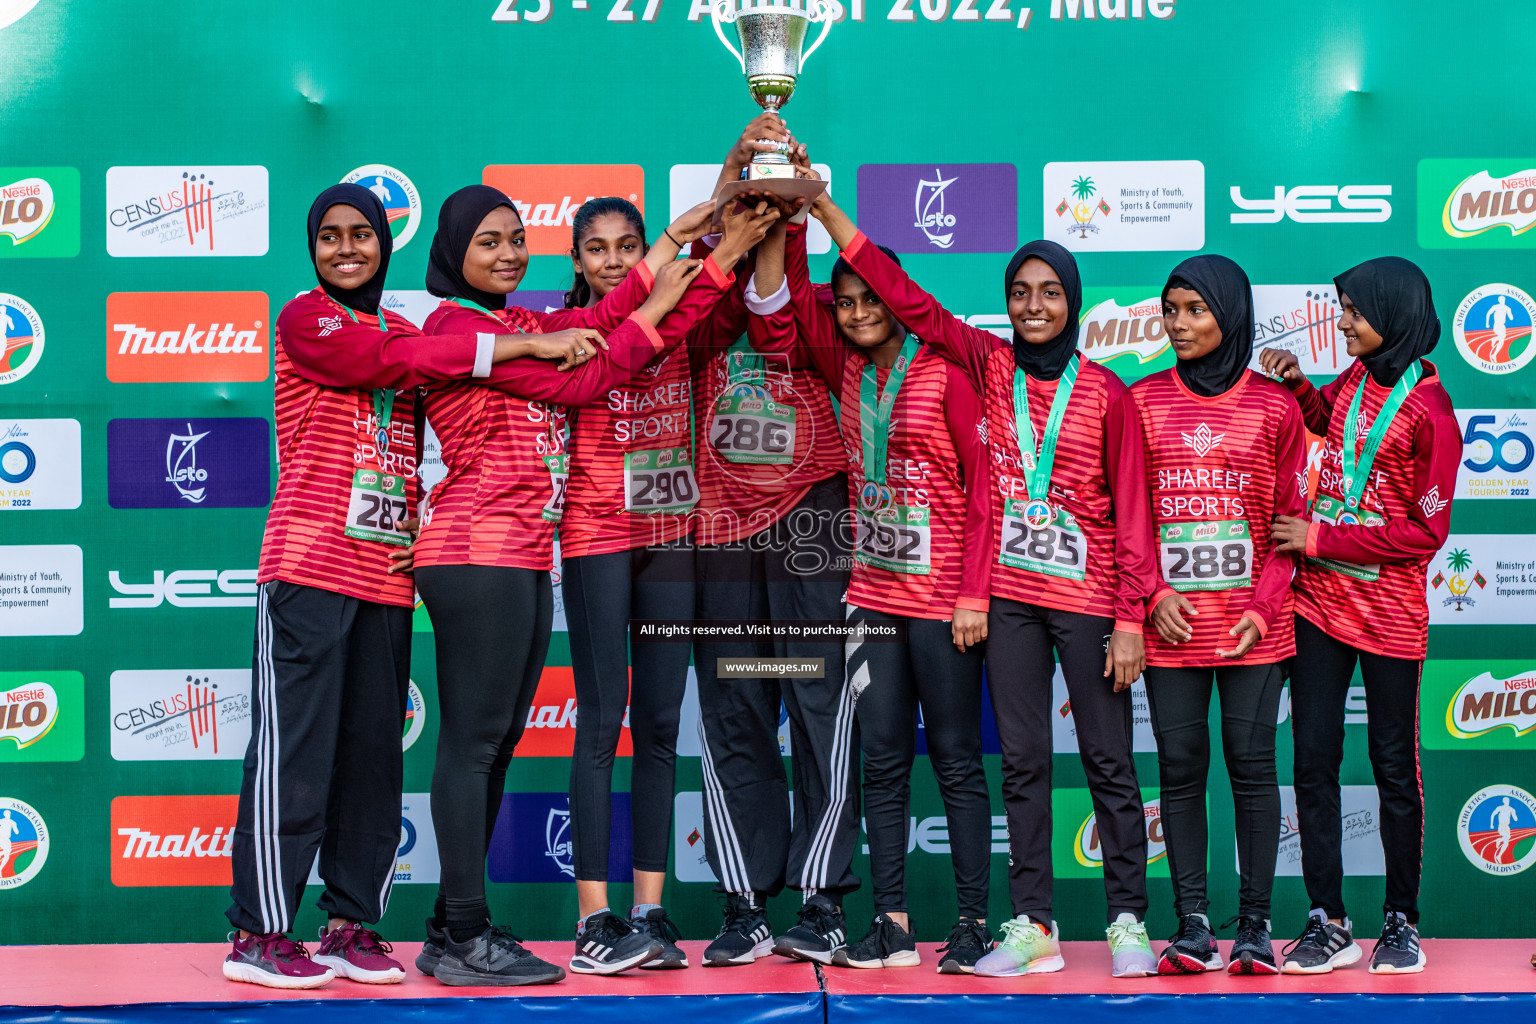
875,416
383,398
1038,469
1357,474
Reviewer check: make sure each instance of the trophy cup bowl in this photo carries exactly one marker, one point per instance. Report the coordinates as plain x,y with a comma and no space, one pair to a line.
772,34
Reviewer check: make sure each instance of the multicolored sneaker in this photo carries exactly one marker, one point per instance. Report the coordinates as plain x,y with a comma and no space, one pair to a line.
1193,950
659,926
888,944
432,949
744,935
1321,947
1251,950
1398,950
274,960
358,954
1025,948
1130,950
969,941
820,931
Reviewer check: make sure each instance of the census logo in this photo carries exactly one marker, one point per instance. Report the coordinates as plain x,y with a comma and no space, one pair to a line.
402,206
415,716
187,211
1301,319
180,714
940,207
1492,327
23,843
23,334
1497,827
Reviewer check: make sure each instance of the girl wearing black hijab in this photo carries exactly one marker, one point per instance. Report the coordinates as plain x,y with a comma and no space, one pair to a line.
484,557
1225,454
333,633
1382,510
1068,511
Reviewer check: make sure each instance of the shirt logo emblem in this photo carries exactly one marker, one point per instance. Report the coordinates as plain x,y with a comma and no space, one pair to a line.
1202,441
1432,503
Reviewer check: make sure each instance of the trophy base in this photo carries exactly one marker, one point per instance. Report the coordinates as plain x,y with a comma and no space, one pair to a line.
786,187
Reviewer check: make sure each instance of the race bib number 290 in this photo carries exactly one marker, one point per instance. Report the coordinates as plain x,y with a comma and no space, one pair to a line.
1206,556
376,507
659,480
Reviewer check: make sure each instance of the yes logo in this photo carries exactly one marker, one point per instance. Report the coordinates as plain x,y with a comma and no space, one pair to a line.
1315,204
39,211
188,588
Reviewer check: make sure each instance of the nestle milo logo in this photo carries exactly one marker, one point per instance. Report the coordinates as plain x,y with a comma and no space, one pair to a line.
368,479
1205,531
640,459
750,405
663,459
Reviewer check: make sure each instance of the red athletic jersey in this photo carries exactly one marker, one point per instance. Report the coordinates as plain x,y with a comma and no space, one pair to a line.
1219,470
502,444
936,471
744,489
328,365
1411,486
633,482
1098,456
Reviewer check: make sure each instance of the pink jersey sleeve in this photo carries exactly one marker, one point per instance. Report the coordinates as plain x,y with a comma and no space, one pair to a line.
820,341
964,416
610,310
330,348
1290,500
966,346
1436,455
1317,403
1125,457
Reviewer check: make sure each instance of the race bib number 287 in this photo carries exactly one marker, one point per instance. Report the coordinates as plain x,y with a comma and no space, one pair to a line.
376,507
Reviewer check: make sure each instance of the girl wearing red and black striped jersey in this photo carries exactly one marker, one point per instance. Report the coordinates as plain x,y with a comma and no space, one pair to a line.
1382,510
912,432
486,547
1225,454
332,656
1068,518
627,554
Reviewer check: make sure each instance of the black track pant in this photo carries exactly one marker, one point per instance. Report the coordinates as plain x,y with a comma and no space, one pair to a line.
602,593
492,630
329,684
1320,678
796,569
1180,701
1020,666
890,682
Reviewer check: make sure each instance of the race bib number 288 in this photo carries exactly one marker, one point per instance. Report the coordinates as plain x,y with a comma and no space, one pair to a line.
1206,556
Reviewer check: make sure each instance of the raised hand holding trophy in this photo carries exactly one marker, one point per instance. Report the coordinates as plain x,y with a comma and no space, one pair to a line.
771,33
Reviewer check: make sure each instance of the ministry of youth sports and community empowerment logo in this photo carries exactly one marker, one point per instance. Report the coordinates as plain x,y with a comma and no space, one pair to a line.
402,204
1497,827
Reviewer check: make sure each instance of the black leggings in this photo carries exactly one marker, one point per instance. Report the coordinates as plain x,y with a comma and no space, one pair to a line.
602,593
889,682
1023,643
1320,678
1180,701
492,630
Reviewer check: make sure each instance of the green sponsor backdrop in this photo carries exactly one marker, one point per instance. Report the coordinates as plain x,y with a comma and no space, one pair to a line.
1268,97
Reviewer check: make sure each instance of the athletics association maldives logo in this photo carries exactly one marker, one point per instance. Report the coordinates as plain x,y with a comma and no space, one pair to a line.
23,843
1497,827
402,205
415,717
1458,584
22,330
1493,328
1202,441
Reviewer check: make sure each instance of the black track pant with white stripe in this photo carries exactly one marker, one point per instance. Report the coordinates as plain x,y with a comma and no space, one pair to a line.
794,570
890,682
322,772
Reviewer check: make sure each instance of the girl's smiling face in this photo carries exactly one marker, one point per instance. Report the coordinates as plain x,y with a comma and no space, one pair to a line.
346,248
498,254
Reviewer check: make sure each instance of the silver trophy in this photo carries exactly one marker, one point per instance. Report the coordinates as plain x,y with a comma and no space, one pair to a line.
772,33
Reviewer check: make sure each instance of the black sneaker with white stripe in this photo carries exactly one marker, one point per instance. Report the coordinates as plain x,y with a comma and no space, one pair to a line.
820,931
659,926
1321,947
1398,950
745,934
609,944
969,941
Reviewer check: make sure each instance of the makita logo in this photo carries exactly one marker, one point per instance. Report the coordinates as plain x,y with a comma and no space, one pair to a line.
140,844
562,214
547,196
551,725
134,339
553,716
